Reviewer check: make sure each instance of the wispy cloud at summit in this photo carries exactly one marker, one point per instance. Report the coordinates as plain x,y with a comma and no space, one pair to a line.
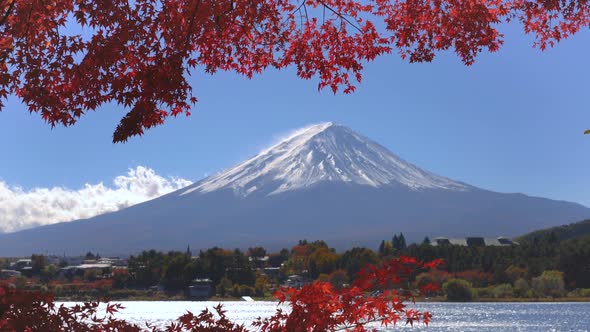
21,209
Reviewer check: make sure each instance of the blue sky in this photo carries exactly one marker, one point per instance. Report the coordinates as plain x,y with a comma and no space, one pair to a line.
512,122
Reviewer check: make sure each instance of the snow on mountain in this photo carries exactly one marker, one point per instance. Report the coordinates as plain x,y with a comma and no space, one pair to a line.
323,152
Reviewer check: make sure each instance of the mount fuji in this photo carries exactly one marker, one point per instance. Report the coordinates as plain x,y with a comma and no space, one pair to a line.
322,182
322,153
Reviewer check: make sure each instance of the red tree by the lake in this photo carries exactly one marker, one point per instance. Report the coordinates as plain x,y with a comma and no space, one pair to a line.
64,58
379,294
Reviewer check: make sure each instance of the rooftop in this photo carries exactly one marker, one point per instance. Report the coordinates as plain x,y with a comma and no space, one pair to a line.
473,241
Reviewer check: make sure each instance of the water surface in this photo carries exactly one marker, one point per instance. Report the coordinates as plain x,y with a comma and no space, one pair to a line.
466,317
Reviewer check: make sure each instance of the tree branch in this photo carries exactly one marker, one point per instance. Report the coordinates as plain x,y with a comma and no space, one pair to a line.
7,12
341,16
191,25
348,327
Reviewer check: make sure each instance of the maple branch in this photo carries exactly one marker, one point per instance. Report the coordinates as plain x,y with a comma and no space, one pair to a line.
7,12
271,43
191,24
253,26
342,17
299,7
300,19
29,23
231,8
359,324
257,31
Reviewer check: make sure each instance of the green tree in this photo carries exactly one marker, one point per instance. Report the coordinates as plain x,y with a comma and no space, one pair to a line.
91,274
458,290
49,272
521,287
256,252
256,255
402,241
246,290
235,290
261,285
574,261
550,283
399,242
216,263
177,271
503,291
4,264
395,242
355,259
37,264
224,287
514,273
276,259
146,269
323,260
385,249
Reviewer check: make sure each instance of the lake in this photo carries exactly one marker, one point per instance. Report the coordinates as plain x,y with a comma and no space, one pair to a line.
467,317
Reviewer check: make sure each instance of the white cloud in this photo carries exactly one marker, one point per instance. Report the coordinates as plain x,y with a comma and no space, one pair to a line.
21,209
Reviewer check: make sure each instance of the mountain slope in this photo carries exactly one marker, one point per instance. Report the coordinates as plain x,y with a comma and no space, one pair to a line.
562,233
323,182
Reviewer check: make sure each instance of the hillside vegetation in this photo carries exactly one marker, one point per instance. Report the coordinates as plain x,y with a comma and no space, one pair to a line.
560,233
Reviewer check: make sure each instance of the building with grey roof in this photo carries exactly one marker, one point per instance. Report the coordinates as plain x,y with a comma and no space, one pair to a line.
473,241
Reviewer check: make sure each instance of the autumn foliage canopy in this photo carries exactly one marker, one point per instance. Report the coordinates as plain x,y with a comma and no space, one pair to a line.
64,58
378,295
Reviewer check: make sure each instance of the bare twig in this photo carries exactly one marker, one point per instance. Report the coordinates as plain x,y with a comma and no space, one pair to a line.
300,5
340,16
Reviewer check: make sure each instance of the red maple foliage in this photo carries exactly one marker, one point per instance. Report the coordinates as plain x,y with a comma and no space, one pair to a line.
476,278
377,295
36,311
64,58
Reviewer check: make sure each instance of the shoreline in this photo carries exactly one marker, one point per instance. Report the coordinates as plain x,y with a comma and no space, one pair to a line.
271,299
512,300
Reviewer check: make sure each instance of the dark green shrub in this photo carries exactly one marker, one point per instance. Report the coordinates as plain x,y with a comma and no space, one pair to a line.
484,292
521,287
579,292
458,290
550,283
503,291
246,290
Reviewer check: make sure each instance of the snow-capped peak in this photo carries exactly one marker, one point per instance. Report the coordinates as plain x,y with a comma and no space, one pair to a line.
324,152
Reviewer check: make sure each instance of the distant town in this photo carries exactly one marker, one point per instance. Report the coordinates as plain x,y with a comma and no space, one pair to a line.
542,268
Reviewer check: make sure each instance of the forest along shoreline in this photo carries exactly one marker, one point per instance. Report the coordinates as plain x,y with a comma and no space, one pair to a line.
544,266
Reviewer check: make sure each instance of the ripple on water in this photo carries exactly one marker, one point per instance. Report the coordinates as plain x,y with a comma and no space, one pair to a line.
462,317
